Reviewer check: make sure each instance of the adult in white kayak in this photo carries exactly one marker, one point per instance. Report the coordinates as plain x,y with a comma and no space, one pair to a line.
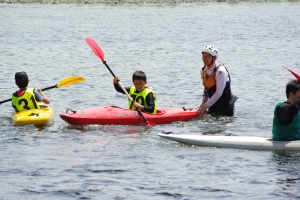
217,96
144,97
27,98
286,121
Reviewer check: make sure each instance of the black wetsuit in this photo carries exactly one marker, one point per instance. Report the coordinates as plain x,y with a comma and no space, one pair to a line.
287,111
225,104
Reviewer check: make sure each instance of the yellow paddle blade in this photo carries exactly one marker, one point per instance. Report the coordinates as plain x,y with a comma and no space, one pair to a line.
70,81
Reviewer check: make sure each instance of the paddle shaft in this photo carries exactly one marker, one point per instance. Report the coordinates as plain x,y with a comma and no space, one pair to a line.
99,53
7,100
48,88
64,82
124,90
104,62
119,83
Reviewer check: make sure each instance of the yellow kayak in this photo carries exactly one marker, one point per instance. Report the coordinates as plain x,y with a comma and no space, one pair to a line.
40,116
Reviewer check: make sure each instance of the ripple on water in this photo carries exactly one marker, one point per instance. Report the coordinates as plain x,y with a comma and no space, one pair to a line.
61,161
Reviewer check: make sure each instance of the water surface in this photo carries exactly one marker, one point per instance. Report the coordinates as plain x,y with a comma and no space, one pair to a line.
165,41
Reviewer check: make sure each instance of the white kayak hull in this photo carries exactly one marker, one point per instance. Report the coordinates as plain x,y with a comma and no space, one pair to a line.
238,142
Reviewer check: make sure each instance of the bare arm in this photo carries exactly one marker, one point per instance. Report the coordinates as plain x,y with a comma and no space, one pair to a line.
45,98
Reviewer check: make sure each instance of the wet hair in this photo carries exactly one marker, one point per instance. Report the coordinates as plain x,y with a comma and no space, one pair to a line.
21,79
292,86
139,75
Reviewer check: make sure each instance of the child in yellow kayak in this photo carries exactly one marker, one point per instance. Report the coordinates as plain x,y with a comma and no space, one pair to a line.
144,98
26,98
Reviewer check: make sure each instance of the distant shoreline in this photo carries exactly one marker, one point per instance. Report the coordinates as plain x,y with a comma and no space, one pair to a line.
126,1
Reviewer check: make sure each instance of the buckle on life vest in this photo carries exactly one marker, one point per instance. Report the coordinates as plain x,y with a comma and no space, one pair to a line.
72,111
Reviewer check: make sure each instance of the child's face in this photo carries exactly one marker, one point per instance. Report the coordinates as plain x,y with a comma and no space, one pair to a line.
139,84
293,97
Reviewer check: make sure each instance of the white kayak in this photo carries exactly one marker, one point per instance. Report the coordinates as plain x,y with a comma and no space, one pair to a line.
238,142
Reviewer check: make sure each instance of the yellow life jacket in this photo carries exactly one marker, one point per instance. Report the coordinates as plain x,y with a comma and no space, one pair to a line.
141,98
25,102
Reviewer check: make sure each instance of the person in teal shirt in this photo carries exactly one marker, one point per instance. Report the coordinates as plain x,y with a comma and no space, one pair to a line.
286,121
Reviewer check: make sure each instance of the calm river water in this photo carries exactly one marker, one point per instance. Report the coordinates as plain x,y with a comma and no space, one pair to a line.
106,162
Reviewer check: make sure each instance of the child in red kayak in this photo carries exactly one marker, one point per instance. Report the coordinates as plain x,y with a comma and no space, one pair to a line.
26,98
144,98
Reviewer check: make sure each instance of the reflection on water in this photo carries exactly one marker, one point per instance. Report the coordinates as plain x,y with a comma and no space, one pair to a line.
287,164
111,128
212,132
129,1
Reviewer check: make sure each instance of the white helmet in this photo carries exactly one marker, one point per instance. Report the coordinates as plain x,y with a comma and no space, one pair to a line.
212,50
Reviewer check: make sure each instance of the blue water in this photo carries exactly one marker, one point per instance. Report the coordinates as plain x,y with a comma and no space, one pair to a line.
60,161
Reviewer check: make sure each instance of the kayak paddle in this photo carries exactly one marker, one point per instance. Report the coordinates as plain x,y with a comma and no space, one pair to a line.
64,82
98,51
296,75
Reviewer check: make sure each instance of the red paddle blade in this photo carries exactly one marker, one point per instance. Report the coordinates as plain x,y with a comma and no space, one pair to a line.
150,124
96,49
296,75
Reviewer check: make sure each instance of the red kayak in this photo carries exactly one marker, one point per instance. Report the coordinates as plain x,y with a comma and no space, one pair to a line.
112,115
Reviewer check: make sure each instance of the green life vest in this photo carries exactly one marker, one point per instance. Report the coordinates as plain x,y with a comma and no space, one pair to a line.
285,132
141,98
25,102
